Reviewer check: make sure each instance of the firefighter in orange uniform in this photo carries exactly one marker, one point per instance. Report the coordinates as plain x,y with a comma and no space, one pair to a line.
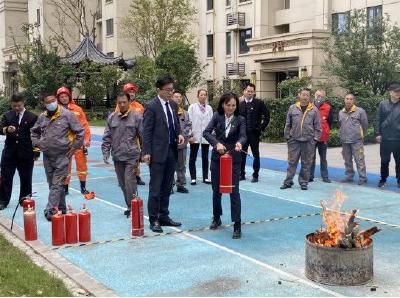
64,97
131,89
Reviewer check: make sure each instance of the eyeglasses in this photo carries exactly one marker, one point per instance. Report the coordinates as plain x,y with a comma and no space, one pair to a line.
169,90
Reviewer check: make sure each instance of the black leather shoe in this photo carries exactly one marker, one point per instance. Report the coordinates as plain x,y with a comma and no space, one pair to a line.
254,180
169,223
2,206
382,183
49,214
66,189
84,191
127,212
215,223
311,180
326,180
182,189
139,181
155,227
242,178
237,231
286,185
303,187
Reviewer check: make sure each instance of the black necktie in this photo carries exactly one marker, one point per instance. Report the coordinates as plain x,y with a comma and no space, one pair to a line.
17,119
171,129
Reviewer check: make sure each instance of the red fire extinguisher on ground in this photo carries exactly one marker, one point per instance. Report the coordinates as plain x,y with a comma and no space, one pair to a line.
225,173
58,228
84,224
137,216
71,226
30,224
28,202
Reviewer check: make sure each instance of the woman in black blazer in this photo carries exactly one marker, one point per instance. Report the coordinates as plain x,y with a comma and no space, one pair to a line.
226,132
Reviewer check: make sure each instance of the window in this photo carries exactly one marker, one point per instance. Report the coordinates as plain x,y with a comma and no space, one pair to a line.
210,4
243,35
38,16
243,1
228,43
375,28
109,27
227,2
210,45
210,90
281,29
373,12
109,1
286,4
339,22
110,54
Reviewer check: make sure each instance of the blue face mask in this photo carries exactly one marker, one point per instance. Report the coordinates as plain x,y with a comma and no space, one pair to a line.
51,107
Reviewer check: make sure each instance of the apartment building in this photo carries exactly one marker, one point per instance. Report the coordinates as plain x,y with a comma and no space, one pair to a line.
267,41
13,13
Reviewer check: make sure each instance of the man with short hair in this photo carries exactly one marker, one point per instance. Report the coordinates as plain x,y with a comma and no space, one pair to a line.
17,153
120,139
186,128
58,134
302,131
353,125
326,117
387,131
161,137
257,118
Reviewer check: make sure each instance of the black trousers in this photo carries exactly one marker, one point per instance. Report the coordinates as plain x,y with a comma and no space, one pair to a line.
161,179
235,195
8,167
253,140
322,150
194,149
386,150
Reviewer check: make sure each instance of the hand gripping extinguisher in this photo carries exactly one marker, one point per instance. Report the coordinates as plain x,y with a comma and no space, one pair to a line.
225,173
30,224
71,226
84,224
58,228
137,216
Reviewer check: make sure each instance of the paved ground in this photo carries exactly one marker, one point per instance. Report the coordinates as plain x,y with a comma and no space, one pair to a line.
267,261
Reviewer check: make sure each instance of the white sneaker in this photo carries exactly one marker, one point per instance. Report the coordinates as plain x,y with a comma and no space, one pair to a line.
193,182
207,181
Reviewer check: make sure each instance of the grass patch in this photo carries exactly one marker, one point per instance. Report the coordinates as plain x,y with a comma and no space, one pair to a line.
19,276
97,122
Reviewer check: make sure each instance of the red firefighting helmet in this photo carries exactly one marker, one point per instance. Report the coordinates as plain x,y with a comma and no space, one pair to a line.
130,86
63,90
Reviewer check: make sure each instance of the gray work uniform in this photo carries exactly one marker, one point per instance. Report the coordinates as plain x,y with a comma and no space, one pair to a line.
302,131
121,139
55,135
353,127
186,127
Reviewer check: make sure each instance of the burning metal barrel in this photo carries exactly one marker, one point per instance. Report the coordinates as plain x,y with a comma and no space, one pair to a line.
338,266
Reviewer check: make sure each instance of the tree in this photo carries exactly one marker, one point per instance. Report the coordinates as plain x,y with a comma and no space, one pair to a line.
364,55
179,60
91,83
290,87
39,67
154,23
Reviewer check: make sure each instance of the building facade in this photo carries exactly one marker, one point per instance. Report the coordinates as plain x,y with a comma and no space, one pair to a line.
267,41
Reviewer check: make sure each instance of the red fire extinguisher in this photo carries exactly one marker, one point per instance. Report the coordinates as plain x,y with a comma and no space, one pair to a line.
84,224
30,224
137,216
71,226
225,173
28,202
58,228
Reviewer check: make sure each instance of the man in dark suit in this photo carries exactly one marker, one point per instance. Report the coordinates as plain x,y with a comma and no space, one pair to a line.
17,153
257,118
160,139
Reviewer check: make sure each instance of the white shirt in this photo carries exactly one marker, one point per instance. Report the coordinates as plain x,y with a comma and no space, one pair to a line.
21,114
249,100
228,125
162,101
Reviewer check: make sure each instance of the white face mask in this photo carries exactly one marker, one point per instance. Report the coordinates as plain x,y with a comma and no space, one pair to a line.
51,107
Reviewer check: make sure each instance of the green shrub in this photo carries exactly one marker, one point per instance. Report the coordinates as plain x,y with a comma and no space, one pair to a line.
334,139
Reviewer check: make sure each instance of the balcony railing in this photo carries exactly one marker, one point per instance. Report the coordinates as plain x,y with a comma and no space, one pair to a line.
236,19
236,69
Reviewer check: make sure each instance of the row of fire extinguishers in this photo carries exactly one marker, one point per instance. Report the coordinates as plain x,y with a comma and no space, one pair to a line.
71,227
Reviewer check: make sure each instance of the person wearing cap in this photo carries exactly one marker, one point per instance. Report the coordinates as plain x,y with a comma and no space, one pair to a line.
326,117
353,125
120,140
58,134
387,131
17,153
131,89
64,97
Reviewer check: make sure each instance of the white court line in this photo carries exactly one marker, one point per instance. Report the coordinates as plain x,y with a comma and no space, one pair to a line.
72,180
240,255
316,206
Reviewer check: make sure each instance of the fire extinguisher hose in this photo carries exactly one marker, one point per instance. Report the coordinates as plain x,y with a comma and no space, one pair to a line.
16,208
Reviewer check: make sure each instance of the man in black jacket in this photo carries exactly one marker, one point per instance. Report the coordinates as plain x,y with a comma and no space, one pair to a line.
387,131
17,153
257,118
161,136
